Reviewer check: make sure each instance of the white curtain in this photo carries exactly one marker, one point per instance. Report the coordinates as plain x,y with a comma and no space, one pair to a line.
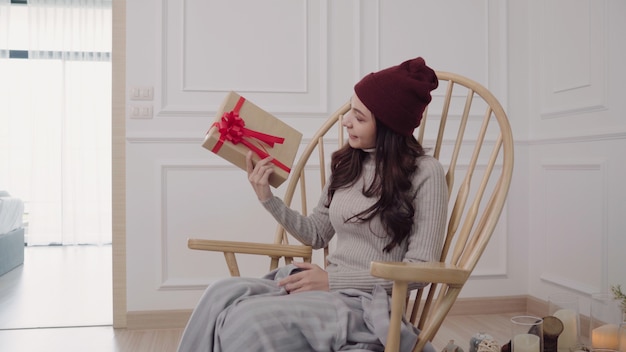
56,122
4,28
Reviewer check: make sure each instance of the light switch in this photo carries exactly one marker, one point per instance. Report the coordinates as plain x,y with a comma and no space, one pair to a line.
141,93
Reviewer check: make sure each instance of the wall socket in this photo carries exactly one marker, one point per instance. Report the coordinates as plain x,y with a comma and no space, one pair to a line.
141,112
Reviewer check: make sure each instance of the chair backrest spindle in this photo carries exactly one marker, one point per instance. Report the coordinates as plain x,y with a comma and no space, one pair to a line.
484,174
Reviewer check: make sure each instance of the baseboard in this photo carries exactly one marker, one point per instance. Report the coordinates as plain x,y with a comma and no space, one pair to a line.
537,307
158,319
517,304
490,305
177,319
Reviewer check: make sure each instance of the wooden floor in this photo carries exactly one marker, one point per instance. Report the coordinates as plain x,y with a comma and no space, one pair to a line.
58,286
88,339
38,314
106,339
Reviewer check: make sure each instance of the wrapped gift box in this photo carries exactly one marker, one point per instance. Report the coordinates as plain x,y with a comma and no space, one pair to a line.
241,126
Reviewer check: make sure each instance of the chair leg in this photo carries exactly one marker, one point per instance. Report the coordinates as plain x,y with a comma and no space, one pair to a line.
231,261
398,299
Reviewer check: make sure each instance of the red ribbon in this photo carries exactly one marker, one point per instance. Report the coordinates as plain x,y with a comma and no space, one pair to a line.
232,128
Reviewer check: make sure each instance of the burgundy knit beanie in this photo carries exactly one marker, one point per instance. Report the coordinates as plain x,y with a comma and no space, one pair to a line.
398,95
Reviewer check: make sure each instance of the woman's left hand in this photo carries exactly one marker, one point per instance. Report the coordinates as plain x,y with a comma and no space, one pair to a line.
259,176
311,278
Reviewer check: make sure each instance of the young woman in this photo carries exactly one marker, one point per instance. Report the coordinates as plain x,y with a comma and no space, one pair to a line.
385,201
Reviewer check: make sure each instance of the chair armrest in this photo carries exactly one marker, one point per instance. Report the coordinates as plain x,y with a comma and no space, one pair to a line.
272,250
436,272
401,273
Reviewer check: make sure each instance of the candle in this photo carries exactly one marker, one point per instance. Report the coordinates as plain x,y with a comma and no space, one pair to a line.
526,343
622,337
605,336
569,336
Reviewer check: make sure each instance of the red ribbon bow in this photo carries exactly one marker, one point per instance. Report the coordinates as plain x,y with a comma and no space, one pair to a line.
232,128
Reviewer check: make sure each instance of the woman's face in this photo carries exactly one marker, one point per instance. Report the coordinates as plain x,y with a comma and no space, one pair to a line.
360,125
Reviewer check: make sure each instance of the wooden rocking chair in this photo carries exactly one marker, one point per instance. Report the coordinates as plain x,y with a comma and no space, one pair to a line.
471,137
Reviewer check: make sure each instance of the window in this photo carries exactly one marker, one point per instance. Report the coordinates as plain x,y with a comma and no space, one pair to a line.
55,117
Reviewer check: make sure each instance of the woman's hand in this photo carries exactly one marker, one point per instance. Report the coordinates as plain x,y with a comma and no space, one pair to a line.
311,278
259,175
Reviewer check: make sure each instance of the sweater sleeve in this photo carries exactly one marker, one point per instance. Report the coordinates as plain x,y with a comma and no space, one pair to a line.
314,230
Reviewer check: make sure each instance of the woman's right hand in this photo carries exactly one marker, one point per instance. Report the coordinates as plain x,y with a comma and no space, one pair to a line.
259,175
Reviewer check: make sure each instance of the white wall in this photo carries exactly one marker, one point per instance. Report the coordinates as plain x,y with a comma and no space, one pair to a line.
576,141
300,59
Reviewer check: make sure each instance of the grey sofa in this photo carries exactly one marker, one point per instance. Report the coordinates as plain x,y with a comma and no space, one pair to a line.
11,235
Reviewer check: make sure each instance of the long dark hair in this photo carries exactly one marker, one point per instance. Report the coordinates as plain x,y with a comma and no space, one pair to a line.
395,165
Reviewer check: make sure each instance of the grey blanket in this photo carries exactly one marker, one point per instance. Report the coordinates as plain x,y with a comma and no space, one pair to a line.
248,314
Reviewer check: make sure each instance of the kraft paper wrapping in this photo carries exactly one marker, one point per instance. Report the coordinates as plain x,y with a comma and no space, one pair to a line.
283,145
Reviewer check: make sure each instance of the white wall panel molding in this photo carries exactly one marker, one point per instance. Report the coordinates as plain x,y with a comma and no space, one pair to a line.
160,140
277,59
179,267
482,30
569,284
597,137
497,53
574,54
574,206
163,138
194,133
367,40
189,138
168,279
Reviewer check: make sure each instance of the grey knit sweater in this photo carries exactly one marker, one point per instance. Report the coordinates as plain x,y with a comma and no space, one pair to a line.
360,243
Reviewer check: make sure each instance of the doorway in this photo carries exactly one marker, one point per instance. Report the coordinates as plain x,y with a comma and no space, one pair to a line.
56,117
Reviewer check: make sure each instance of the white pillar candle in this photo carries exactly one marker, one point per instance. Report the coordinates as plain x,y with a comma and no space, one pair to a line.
605,336
622,338
526,343
569,336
